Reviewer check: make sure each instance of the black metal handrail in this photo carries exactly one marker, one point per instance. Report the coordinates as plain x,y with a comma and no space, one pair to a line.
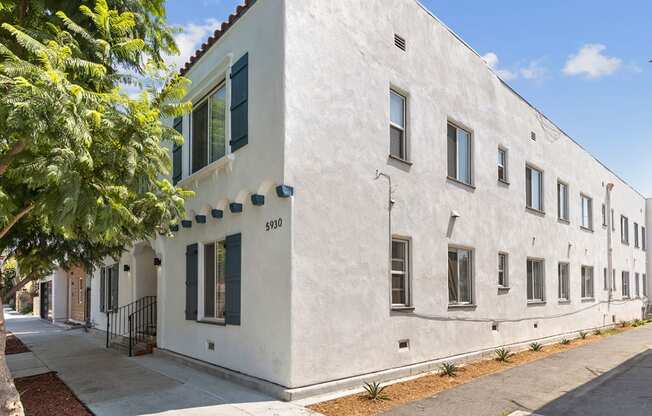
117,320
142,325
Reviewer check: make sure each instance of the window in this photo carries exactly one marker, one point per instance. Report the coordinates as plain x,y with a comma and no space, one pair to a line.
535,280
460,276
613,280
177,153
587,282
562,198
636,235
503,270
397,113
613,220
625,285
214,283
80,296
637,284
606,280
604,215
644,284
400,272
502,164
459,154
643,239
587,212
208,138
534,188
564,281
624,229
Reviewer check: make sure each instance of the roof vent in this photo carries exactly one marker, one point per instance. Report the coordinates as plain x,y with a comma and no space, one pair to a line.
399,42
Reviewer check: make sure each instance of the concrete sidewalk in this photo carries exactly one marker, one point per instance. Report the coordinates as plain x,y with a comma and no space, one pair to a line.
111,383
609,377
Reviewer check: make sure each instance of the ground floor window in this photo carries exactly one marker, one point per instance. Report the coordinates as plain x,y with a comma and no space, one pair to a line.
460,276
400,272
587,282
214,286
637,285
625,285
535,280
564,281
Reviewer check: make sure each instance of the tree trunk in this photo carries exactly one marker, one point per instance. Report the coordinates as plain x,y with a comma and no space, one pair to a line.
16,288
17,218
6,160
10,403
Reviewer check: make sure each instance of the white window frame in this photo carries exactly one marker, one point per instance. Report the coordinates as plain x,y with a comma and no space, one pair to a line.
503,163
403,129
201,283
625,285
406,272
637,284
471,278
227,111
624,230
588,215
563,212
563,281
542,281
587,282
528,204
504,271
457,178
604,215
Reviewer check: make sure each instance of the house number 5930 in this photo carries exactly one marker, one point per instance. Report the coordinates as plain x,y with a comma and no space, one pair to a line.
273,224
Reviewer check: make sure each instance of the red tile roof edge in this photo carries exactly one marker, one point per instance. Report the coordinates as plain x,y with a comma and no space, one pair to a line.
233,17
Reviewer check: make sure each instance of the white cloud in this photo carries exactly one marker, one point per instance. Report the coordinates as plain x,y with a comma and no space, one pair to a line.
533,70
190,39
590,62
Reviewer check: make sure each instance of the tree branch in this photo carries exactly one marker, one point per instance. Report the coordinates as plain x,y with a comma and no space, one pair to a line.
6,159
17,218
16,288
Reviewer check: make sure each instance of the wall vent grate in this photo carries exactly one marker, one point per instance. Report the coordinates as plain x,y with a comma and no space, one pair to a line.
403,344
399,42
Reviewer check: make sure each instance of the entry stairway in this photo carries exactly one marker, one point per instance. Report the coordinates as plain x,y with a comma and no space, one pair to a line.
132,328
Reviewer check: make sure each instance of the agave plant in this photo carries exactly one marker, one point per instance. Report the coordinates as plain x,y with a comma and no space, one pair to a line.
375,391
503,354
564,341
536,347
583,334
449,369
597,332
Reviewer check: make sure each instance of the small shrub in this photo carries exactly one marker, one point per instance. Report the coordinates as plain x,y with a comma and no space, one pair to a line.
583,334
503,355
375,391
536,347
624,324
564,341
449,369
25,309
637,323
597,332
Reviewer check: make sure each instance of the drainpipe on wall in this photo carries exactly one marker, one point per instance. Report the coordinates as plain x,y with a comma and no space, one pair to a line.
610,266
390,204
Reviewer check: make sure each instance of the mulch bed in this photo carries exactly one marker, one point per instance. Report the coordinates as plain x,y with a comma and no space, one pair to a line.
14,345
46,395
433,383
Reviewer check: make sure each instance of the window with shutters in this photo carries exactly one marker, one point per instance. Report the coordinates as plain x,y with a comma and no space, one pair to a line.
102,289
214,284
563,274
240,103
536,292
625,285
192,270
587,282
208,129
177,153
233,278
534,188
459,151
114,282
397,125
460,276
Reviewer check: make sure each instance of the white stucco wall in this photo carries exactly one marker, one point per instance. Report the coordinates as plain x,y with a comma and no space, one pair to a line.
341,63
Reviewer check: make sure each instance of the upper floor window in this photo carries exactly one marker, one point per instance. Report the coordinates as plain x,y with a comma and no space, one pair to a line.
624,229
459,154
400,272
636,235
177,172
502,164
536,291
397,136
643,239
587,212
613,220
562,198
460,276
587,282
534,188
604,215
208,137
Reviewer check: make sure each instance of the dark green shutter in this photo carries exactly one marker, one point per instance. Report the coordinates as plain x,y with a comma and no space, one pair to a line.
115,278
209,280
239,103
102,289
232,278
177,153
192,270
199,145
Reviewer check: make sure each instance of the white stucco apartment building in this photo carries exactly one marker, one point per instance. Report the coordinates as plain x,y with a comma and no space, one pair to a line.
289,267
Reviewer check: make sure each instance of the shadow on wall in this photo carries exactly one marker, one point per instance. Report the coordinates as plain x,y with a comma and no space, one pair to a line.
624,390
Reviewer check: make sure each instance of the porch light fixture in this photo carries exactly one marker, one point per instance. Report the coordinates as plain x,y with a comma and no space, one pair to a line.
284,191
258,199
201,219
217,213
235,207
157,261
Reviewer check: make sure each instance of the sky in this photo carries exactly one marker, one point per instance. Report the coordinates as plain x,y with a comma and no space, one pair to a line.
583,63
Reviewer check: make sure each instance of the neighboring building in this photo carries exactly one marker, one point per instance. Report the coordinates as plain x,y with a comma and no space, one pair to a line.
63,296
288,267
